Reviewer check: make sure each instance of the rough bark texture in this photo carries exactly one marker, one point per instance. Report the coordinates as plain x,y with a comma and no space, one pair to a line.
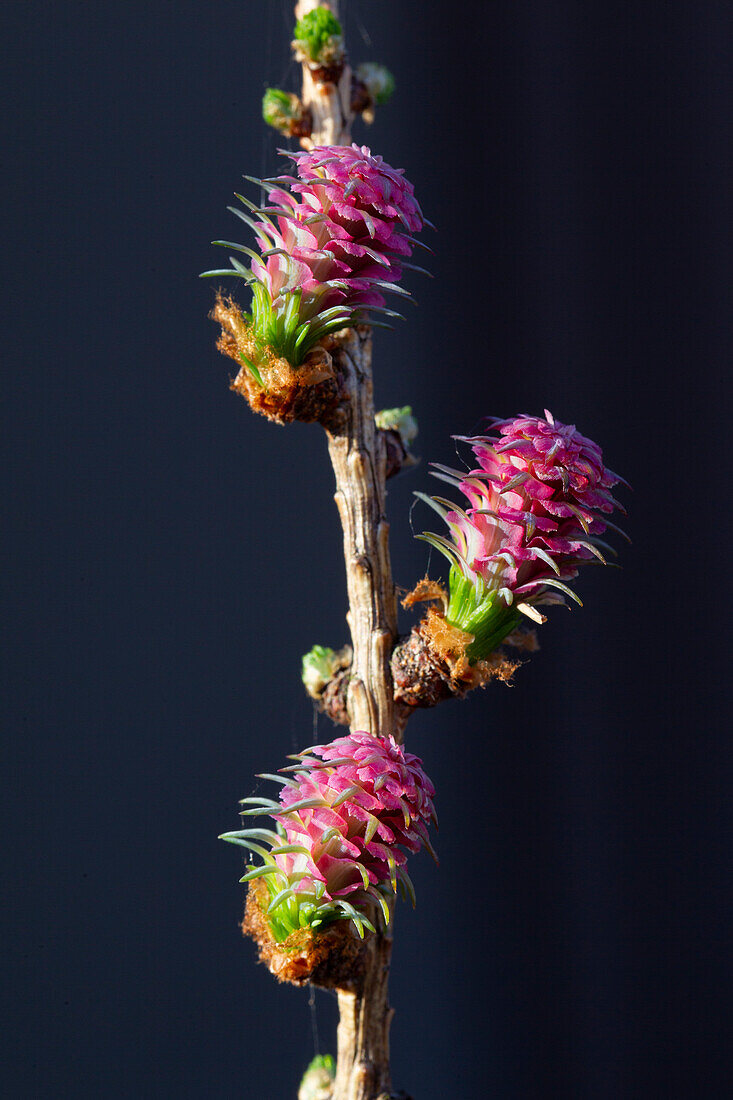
358,456
362,1068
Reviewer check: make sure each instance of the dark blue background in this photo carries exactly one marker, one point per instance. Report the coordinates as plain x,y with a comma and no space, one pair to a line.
171,556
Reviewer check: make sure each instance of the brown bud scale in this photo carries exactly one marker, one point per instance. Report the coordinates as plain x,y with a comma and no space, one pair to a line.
308,392
332,958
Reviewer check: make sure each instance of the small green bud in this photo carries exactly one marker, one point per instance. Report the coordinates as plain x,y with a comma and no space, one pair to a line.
320,665
317,1083
318,38
398,420
280,109
378,80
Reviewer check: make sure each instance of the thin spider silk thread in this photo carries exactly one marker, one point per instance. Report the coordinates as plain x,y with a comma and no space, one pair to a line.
314,1021
269,41
363,32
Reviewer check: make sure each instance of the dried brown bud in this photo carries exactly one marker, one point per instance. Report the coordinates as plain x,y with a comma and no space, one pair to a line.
308,392
332,958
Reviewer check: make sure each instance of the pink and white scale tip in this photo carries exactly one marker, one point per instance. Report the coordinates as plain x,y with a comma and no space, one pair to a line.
348,813
537,504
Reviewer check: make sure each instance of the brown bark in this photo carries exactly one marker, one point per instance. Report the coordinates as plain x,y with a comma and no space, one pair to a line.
358,456
362,1067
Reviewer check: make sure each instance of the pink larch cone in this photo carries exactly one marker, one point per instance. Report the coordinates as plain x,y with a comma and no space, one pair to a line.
347,814
333,241
537,505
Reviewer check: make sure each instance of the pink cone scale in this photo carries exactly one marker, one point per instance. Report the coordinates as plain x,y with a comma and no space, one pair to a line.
347,815
334,238
536,505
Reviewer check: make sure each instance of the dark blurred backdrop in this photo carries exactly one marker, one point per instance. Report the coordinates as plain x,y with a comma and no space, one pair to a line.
171,556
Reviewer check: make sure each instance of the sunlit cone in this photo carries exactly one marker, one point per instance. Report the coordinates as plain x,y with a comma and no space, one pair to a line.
536,507
333,241
347,814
